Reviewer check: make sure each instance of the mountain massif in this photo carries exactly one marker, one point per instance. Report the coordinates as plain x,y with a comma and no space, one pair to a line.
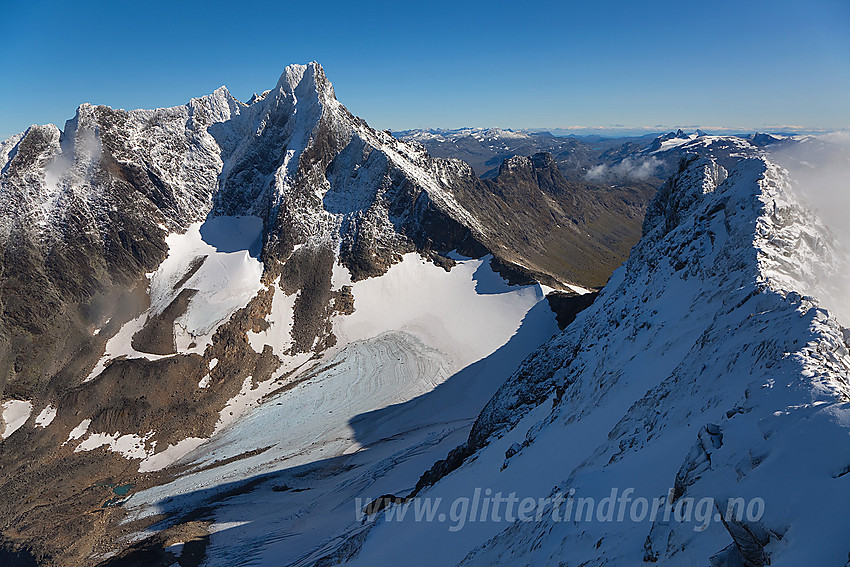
229,327
148,254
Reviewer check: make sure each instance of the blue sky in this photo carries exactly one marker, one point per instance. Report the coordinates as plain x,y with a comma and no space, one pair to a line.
743,64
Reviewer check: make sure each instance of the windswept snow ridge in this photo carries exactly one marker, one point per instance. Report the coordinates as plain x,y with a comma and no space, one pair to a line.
705,366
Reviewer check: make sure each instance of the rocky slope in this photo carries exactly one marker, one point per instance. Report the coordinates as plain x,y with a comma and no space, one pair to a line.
549,215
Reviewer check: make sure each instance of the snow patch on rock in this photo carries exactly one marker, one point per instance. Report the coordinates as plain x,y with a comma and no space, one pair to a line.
46,416
15,414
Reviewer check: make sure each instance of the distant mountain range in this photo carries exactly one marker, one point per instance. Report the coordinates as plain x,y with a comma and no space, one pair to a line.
589,157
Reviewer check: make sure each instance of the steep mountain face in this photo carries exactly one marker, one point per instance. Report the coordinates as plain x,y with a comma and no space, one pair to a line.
165,270
705,376
549,214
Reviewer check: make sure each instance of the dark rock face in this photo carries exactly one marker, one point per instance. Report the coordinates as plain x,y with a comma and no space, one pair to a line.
309,270
567,305
157,336
17,557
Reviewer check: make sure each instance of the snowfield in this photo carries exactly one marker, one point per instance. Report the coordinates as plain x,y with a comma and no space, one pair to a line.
467,313
226,280
221,257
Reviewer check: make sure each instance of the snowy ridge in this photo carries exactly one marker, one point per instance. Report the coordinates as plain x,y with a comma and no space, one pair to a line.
703,366
30,203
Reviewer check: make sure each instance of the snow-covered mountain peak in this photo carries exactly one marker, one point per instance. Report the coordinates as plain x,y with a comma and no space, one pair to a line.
788,248
292,76
306,81
220,105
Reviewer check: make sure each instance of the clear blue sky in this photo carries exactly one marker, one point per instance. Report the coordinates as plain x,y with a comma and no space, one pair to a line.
742,64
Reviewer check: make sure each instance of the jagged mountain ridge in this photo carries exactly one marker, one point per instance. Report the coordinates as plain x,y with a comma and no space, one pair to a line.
90,211
170,167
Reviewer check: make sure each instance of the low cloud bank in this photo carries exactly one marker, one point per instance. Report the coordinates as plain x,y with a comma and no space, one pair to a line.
819,167
629,168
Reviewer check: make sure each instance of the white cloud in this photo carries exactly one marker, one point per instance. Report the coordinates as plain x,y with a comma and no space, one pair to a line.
629,168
